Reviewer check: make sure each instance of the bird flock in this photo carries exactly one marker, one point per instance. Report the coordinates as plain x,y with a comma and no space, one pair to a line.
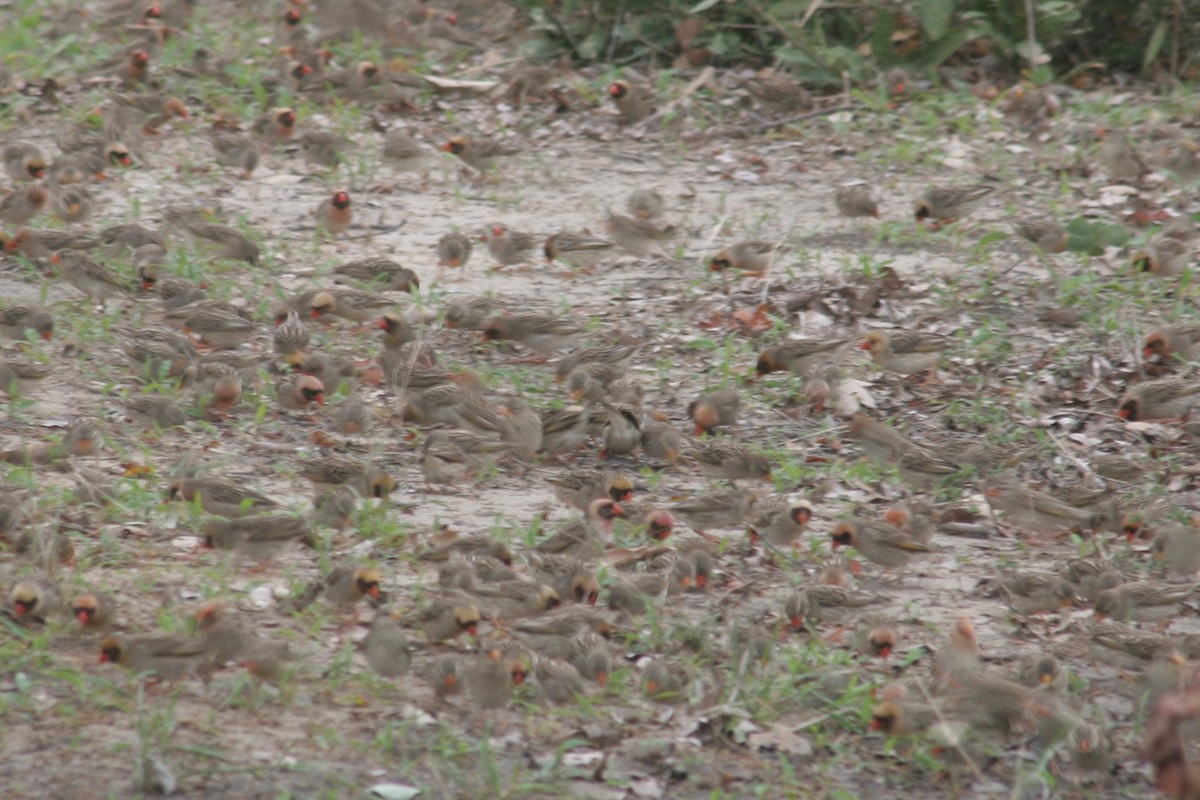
171,297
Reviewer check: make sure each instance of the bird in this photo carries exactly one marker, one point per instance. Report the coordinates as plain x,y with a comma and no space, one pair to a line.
905,352
878,542
753,257
24,162
1166,398
22,205
542,333
299,392
18,321
219,496
322,148
716,510
715,409
778,93
1034,511
578,488
636,236
453,250
728,460
645,204
382,273
478,153
1046,233
947,203
290,339
577,250
780,522
335,214
1181,340
507,246
95,611
386,647
275,126
799,356
235,150
35,599
351,304
165,657
634,101
856,201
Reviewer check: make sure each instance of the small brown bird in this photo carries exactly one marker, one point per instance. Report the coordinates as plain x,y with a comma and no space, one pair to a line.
490,679
507,246
95,611
1118,156
1165,257
905,352
715,409
645,204
220,497
800,355
542,333
322,148
579,488
258,537
1178,549
586,537
90,276
818,603
1142,601
856,201
334,214
34,599
716,510
345,586
878,542
1035,511
725,459
945,204
1046,233
481,154
22,205
73,204
24,162
291,339
446,619
164,657
778,93
235,150
780,522
622,431
402,150
347,303
221,328
18,321
275,126
875,636
386,646
1167,398
577,250
446,675
381,273
299,392
453,250
635,236
751,257
634,101
564,430
1181,340
1032,593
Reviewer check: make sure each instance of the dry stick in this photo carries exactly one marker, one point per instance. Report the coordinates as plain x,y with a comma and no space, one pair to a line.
691,89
